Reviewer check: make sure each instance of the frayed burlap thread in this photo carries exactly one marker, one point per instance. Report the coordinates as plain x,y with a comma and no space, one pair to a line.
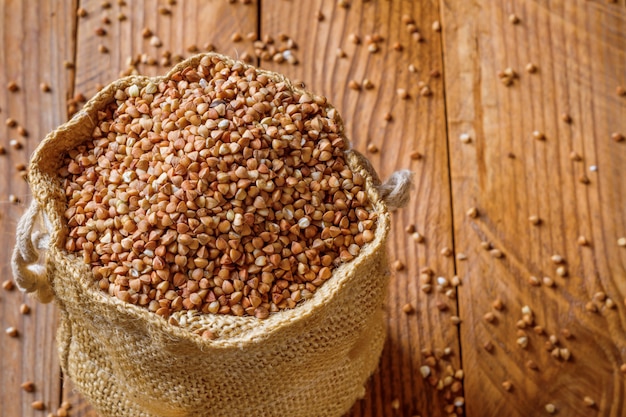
310,361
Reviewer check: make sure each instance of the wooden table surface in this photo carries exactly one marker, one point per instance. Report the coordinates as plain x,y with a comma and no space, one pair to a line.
511,113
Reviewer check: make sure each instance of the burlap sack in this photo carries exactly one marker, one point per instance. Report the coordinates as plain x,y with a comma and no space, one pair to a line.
311,361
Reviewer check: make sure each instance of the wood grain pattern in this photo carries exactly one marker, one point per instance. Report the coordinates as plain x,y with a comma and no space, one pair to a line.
188,23
509,176
418,125
579,48
34,42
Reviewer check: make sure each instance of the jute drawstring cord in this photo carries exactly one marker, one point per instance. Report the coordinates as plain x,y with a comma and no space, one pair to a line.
30,276
396,190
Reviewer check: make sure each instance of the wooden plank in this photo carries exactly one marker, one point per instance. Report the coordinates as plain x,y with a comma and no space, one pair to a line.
186,24
509,176
34,42
318,29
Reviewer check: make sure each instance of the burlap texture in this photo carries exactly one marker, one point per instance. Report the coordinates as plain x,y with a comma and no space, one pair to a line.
311,361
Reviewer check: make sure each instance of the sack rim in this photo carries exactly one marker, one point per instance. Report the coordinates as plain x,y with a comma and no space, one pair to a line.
52,198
